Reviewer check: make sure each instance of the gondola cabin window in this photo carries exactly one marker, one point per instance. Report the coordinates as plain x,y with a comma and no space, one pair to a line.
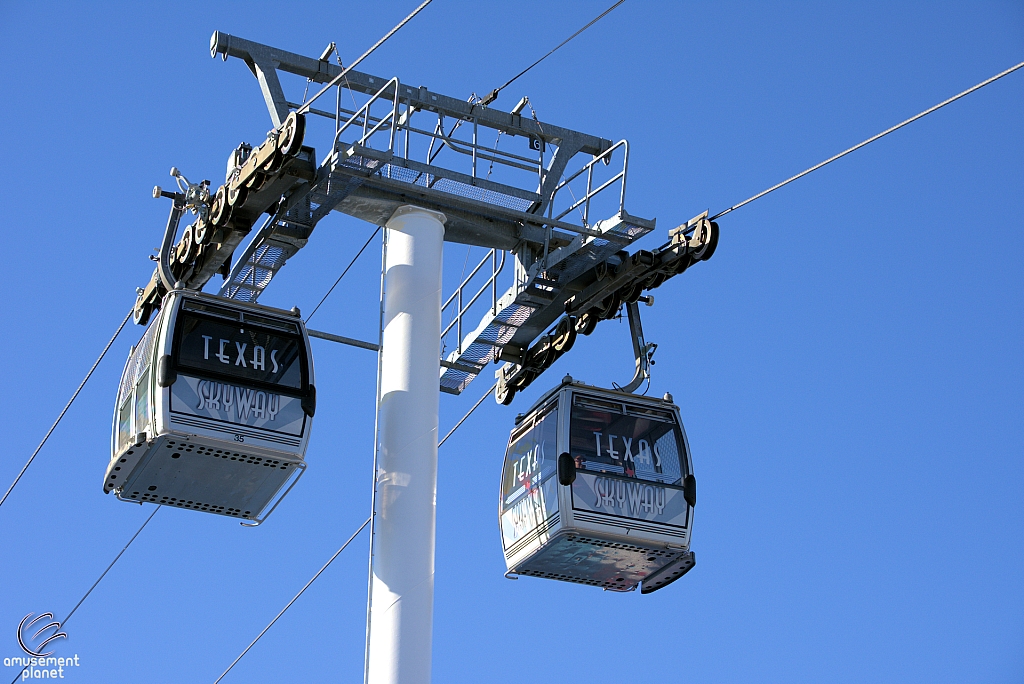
246,371
240,350
528,494
133,396
619,438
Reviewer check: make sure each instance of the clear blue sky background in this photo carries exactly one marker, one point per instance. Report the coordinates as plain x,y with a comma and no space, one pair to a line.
849,364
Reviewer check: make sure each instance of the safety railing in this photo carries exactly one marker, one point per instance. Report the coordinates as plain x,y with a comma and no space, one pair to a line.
604,158
363,114
458,298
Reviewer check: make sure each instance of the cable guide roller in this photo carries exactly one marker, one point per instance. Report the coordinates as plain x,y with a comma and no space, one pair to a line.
597,488
214,408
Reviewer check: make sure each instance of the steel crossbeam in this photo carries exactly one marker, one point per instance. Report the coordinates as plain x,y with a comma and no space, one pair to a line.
540,199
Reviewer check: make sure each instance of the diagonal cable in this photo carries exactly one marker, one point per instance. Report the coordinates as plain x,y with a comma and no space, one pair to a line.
338,552
70,401
296,598
493,95
98,580
870,140
305,108
322,300
468,414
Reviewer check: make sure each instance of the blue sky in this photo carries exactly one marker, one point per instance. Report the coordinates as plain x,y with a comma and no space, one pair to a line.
848,364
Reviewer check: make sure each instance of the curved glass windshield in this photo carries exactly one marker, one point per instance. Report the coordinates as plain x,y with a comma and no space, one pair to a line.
239,350
528,494
631,440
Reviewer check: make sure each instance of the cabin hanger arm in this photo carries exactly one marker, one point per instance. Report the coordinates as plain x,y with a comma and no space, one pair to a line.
642,351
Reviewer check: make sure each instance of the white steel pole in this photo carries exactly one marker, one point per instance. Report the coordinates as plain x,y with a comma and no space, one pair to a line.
402,591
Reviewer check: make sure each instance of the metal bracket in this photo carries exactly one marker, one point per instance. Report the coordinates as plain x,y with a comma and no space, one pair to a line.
164,261
259,520
680,234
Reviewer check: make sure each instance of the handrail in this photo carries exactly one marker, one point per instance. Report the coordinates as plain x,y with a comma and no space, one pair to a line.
591,193
491,282
483,152
364,111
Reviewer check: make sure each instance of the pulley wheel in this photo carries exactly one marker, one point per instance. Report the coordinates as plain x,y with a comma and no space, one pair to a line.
609,307
525,379
542,355
586,323
186,248
237,196
503,393
201,232
565,335
706,236
654,280
292,132
271,164
255,181
633,293
220,208
141,314
682,264
712,243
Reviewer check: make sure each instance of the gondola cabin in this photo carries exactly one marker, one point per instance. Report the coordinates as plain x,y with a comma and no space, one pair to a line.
214,408
597,488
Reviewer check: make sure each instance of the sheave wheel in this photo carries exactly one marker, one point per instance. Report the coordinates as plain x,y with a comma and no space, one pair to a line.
633,293
503,393
237,196
586,323
565,335
201,232
654,281
186,248
609,307
682,264
220,208
255,181
292,132
706,235
271,164
543,355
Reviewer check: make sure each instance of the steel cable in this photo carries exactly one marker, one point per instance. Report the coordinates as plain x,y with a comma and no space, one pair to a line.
468,414
70,401
99,579
350,264
343,546
869,140
493,95
296,598
305,108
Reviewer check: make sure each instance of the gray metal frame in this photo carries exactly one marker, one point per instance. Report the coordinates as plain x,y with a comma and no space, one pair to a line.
372,169
556,203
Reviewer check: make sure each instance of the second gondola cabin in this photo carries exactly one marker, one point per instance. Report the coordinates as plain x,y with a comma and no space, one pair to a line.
597,488
214,409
